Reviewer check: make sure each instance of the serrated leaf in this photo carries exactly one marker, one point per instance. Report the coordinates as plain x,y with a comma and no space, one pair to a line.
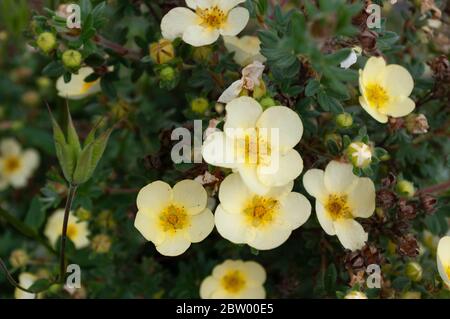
36,215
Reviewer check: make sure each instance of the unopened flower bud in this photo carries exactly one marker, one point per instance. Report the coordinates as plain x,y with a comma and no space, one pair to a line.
219,107
416,124
259,91
162,51
83,214
267,102
344,120
199,105
19,258
43,83
167,74
72,59
356,295
359,154
30,98
101,244
414,271
46,41
202,54
405,188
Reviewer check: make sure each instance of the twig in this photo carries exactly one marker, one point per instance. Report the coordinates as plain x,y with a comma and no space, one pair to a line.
120,50
436,188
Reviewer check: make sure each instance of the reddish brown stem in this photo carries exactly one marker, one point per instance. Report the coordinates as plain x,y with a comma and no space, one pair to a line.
436,188
120,50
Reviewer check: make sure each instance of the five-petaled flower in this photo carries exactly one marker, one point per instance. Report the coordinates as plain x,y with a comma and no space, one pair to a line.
341,197
385,90
16,166
259,145
204,25
173,218
26,280
77,231
235,279
262,222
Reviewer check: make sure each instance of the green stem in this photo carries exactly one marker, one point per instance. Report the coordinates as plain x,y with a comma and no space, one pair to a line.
10,278
62,258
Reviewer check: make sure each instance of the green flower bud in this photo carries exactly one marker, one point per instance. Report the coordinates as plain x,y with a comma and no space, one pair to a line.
199,105
101,244
19,258
405,188
336,138
344,120
167,74
259,91
162,51
46,41
202,54
359,154
72,59
267,102
43,83
411,295
83,214
414,271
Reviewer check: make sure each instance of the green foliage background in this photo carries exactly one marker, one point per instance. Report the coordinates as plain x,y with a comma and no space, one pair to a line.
304,42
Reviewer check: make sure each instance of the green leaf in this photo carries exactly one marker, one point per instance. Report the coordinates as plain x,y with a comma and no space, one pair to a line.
66,159
328,103
99,146
330,278
81,174
312,87
40,285
54,69
36,215
72,136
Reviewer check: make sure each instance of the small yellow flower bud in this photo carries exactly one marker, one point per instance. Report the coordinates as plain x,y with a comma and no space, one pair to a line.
19,258
405,188
344,120
101,244
202,54
162,51
43,83
46,41
30,98
106,220
199,105
356,295
359,154
219,107
72,59
267,102
3,36
414,271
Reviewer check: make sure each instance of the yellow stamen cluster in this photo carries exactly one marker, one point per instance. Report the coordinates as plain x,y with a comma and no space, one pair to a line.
256,149
337,206
173,218
12,164
233,282
87,86
448,271
72,231
212,17
261,210
376,95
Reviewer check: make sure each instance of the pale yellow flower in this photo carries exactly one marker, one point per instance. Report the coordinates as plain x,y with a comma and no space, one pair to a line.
77,232
341,197
385,90
16,166
235,279
262,222
208,20
173,218
259,145
246,49
26,280
443,259
77,88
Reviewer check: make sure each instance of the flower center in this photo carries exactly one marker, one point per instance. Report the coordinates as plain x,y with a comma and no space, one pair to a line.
256,149
87,86
260,211
72,231
337,206
448,271
212,17
12,165
173,218
376,95
233,282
